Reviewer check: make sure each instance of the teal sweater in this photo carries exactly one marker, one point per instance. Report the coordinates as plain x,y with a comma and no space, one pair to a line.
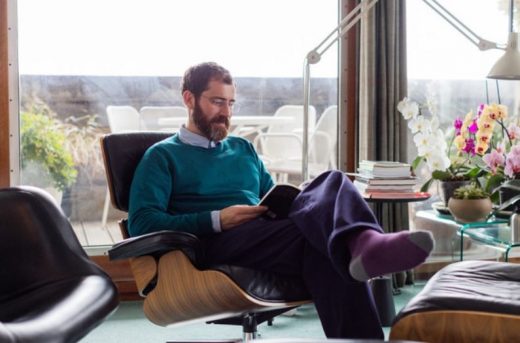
176,185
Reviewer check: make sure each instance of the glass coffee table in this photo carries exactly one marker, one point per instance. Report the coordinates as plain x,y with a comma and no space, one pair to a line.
494,232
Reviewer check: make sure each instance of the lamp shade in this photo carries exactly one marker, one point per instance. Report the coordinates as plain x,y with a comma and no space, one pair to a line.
508,66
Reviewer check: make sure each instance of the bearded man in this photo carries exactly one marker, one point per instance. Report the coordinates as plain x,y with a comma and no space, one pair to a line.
207,183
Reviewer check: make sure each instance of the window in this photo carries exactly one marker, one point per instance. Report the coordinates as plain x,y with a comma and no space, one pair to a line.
445,67
448,71
78,57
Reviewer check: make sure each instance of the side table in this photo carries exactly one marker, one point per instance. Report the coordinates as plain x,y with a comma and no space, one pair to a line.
382,288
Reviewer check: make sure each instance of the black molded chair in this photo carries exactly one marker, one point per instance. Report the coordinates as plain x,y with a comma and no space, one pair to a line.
166,268
50,291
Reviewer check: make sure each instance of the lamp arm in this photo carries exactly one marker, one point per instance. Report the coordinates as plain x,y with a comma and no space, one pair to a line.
479,42
313,57
345,24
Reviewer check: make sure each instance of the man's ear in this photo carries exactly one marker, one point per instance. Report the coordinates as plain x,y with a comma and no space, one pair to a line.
188,99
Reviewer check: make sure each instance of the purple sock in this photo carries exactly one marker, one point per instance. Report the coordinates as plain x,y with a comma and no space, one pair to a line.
374,253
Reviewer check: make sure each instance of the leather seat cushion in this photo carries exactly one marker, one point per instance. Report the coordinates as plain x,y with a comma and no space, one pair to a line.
264,285
470,286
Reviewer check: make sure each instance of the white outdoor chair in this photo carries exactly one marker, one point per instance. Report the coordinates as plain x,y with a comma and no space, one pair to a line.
324,140
322,147
151,115
123,119
120,119
283,141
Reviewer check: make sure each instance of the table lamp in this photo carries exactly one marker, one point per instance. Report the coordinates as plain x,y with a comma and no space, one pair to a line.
508,66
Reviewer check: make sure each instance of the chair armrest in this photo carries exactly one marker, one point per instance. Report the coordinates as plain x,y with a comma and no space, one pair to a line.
262,137
156,244
291,136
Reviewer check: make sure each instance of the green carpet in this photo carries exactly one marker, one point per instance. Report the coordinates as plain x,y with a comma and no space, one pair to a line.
128,324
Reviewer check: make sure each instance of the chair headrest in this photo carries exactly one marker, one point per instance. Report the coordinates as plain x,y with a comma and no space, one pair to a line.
37,243
122,153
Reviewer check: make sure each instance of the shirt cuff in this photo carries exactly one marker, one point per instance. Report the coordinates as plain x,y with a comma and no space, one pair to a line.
215,221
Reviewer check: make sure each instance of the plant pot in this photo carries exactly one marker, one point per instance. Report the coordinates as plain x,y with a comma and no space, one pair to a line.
448,187
470,210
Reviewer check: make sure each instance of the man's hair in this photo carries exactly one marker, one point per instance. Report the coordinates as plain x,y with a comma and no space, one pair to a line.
196,79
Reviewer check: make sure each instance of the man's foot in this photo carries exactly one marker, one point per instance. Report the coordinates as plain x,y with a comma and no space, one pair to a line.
374,253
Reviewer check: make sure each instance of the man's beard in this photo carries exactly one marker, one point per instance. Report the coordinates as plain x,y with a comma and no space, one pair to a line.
209,128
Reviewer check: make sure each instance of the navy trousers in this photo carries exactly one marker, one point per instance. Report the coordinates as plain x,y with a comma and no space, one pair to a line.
312,244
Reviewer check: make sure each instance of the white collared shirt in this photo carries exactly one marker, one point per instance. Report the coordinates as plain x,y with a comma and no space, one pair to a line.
191,138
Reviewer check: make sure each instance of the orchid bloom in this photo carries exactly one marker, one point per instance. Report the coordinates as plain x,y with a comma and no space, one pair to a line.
512,164
480,148
473,135
469,146
438,161
494,160
434,123
419,124
458,126
501,147
424,142
409,109
459,142
473,127
495,111
514,132
480,109
421,139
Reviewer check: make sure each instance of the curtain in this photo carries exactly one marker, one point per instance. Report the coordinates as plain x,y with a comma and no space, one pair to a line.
382,132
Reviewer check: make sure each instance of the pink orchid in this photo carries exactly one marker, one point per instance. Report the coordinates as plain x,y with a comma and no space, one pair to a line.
501,147
514,132
512,167
458,126
473,128
480,109
470,146
494,160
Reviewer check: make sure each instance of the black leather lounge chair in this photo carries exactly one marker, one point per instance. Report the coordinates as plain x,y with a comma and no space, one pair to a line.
470,301
164,263
50,291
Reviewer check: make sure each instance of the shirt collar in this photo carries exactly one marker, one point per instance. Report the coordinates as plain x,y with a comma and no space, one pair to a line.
191,138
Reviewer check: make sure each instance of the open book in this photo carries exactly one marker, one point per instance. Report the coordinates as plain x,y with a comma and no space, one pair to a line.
279,200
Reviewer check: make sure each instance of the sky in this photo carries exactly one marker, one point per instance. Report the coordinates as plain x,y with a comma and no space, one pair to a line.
437,50
267,38
158,37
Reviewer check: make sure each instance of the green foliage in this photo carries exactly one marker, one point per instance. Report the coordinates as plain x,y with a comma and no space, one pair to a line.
493,183
453,173
43,142
472,191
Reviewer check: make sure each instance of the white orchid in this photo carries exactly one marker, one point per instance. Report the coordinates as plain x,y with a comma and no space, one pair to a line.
438,161
435,124
409,109
430,140
419,124
439,142
424,140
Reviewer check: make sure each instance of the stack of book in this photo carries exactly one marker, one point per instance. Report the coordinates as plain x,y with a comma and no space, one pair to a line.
385,179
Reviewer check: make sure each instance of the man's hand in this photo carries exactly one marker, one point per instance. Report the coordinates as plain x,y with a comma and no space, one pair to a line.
238,214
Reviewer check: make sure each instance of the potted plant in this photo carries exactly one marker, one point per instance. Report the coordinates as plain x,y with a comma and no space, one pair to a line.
470,203
453,164
46,162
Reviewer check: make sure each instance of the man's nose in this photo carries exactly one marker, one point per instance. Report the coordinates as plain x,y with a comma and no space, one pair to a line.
227,109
